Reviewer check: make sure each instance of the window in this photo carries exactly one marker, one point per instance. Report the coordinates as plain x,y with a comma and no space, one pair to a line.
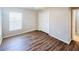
15,21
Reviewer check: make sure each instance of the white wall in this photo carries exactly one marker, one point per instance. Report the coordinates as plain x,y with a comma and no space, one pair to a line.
77,21
0,27
59,23
55,21
29,21
43,20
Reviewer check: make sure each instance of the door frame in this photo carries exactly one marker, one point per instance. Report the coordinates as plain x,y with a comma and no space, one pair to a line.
72,8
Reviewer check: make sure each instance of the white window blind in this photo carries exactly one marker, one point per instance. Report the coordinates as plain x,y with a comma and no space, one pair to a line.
15,21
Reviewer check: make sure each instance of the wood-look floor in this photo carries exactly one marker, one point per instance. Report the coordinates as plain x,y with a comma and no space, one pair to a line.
36,41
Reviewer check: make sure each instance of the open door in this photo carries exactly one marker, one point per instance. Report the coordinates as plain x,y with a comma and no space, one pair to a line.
0,28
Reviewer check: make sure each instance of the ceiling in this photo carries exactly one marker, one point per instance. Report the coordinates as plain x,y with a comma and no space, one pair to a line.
31,8
35,8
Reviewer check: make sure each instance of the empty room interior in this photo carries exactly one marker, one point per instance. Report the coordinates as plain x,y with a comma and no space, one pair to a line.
39,29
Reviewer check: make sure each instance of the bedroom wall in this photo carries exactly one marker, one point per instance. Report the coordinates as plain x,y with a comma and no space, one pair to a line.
29,21
0,27
55,21
59,25
43,20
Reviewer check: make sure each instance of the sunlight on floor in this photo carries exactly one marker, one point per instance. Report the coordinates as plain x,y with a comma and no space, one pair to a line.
76,38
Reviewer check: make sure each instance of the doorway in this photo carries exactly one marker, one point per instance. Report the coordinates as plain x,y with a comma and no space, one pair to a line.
75,24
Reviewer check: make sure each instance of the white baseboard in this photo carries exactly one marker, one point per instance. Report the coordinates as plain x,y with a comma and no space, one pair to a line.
18,33
67,42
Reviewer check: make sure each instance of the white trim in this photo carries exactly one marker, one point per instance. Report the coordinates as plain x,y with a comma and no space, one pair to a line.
18,34
67,42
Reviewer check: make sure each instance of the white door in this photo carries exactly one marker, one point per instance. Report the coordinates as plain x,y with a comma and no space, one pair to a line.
0,28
